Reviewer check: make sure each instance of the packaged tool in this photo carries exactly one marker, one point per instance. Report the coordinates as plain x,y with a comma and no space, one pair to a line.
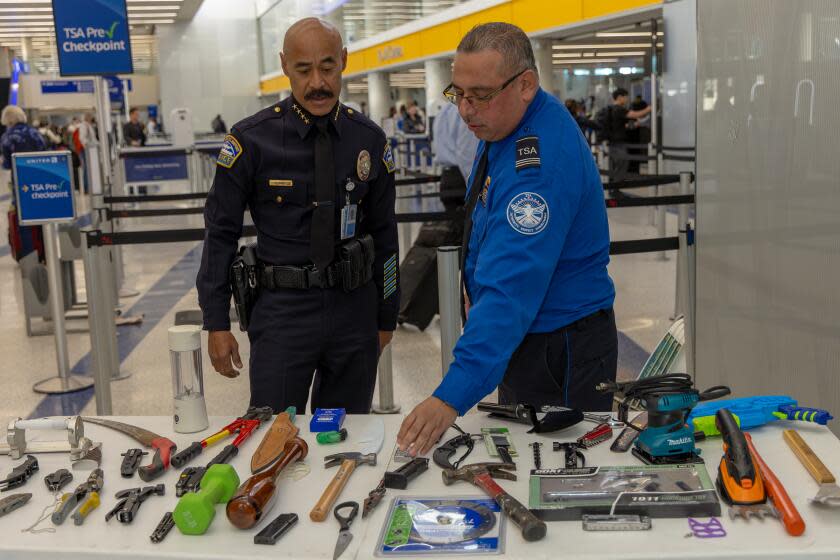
753,412
499,444
327,420
654,491
427,526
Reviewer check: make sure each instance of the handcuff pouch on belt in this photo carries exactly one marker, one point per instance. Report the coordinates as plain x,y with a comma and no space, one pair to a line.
244,283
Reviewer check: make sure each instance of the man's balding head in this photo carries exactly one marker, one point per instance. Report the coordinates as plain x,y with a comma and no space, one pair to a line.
313,58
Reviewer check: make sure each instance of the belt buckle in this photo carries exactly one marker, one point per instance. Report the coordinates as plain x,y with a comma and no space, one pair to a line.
313,277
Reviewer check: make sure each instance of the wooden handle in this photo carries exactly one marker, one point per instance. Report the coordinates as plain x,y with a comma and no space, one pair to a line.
330,495
808,458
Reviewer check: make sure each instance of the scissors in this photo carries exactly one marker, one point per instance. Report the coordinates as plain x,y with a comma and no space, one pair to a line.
344,534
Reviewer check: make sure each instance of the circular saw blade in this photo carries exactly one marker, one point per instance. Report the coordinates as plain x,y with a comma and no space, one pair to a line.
449,521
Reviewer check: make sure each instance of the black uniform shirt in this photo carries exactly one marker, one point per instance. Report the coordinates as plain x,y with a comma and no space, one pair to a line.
267,165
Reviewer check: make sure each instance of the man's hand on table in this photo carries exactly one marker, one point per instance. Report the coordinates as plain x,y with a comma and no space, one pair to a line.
424,426
223,349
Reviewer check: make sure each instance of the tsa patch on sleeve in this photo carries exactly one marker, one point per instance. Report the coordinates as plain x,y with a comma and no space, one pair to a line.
388,158
527,213
230,151
527,152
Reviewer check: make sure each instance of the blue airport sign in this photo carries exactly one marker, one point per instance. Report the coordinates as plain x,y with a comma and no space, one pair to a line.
140,168
92,37
66,86
43,187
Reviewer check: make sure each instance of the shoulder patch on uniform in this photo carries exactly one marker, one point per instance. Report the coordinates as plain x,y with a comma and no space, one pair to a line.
230,152
388,158
527,152
527,213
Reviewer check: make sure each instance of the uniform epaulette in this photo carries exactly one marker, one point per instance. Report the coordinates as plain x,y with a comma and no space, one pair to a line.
272,112
359,117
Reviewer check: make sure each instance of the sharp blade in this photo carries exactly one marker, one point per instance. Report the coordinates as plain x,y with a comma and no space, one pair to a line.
344,538
373,436
145,437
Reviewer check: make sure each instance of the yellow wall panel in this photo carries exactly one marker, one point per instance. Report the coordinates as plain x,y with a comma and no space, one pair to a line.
536,15
274,85
441,38
597,8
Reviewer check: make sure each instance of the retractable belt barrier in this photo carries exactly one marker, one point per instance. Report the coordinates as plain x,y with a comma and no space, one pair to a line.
671,157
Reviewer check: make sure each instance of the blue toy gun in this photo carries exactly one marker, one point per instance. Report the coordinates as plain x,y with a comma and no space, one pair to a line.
753,412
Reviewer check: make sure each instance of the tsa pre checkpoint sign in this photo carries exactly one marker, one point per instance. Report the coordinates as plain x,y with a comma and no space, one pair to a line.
43,187
92,37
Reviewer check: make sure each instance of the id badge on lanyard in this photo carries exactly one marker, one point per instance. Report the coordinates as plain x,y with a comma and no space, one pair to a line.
348,213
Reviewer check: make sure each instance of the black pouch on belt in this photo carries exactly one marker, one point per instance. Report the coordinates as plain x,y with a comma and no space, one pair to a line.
244,284
355,261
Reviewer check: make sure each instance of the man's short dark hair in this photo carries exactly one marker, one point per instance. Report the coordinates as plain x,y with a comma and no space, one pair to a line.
133,110
504,38
619,92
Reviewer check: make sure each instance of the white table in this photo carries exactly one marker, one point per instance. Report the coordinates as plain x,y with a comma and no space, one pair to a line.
667,539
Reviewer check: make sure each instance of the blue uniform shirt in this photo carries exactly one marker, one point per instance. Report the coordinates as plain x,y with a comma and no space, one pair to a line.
538,251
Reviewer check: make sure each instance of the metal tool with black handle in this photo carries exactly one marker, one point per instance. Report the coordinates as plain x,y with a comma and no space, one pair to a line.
738,481
481,475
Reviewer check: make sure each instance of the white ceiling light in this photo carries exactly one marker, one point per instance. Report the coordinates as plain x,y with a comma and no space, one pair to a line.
627,33
601,46
25,23
585,61
18,17
151,8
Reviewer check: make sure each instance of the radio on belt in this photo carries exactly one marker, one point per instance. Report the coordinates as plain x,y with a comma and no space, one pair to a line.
327,420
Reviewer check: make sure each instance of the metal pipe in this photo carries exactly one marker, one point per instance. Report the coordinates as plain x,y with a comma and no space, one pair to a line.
682,270
386,384
97,318
449,303
691,303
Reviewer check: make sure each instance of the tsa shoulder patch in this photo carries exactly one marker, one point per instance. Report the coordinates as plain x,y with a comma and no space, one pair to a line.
527,152
230,152
388,158
527,213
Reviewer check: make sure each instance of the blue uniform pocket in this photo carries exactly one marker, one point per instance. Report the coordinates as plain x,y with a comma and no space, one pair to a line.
282,205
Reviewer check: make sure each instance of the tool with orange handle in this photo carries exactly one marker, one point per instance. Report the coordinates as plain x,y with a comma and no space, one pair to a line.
791,519
739,481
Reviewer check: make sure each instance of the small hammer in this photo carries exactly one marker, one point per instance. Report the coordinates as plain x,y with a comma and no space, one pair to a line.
481,475
348,461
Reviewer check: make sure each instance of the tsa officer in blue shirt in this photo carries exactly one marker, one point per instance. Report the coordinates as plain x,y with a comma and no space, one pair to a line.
540,324
318,180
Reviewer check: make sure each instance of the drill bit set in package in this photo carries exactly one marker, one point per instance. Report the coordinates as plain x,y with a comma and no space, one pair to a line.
650,490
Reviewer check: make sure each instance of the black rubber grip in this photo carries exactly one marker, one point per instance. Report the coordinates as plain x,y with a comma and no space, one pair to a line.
152,471
186,455
738,460
225,455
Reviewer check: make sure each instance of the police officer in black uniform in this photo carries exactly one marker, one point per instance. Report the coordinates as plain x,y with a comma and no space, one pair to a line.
318,180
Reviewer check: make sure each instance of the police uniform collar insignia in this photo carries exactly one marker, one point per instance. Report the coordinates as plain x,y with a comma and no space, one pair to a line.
363,165
337,110
303,115
527,213
527,152
483,194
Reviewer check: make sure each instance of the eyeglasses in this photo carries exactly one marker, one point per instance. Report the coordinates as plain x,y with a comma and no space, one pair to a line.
455,97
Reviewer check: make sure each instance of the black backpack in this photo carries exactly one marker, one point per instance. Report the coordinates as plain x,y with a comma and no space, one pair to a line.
604,120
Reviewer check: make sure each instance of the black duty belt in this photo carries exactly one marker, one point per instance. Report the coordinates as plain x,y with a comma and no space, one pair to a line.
300,277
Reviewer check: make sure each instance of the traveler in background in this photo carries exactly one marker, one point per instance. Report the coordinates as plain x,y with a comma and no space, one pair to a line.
613,120
454,148
218,125
579,114
413,122
20,137
151,127
83,139
134,132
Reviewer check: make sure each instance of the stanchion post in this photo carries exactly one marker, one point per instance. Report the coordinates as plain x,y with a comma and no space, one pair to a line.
98,316
687,255
682,272
63,382
386,384
449,303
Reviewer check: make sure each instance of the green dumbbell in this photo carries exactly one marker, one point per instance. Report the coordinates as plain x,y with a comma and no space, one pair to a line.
195,511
